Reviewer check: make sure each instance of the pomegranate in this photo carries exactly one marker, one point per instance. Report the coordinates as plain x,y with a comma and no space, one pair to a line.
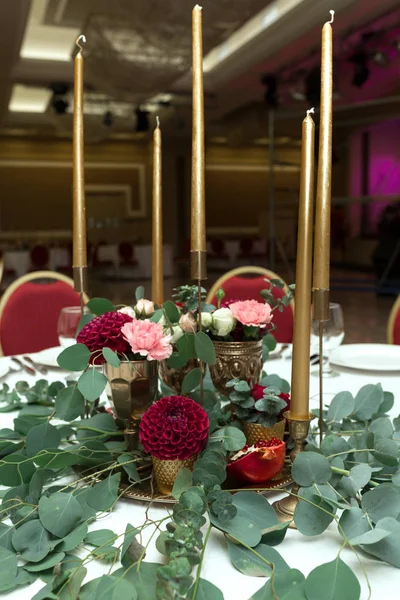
257,463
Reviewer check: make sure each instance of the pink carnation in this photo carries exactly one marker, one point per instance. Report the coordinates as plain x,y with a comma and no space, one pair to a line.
147,339
251,312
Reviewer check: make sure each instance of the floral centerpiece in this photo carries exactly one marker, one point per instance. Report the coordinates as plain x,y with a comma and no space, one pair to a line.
173,431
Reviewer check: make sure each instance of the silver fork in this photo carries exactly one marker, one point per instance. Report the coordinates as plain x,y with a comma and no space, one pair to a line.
41,368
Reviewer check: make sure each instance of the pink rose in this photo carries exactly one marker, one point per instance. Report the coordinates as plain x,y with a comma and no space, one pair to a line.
147,339
251,312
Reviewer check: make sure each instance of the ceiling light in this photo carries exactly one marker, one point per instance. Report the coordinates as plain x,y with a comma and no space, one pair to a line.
29,99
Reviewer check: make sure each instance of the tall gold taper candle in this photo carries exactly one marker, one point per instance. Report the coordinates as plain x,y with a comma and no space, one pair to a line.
79,258
299,403
323,205
157,282
198,219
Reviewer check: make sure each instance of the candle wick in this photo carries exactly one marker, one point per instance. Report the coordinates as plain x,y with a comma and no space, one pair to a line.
332,12
199,7
311,110
158,121
78,42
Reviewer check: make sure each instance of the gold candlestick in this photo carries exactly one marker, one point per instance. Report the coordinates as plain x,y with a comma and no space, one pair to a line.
157,283
299,402
198,219
79,258
323,205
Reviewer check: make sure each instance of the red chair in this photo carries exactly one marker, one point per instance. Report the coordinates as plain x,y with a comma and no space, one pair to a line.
393,326
39,256
246,283
127,254
29,311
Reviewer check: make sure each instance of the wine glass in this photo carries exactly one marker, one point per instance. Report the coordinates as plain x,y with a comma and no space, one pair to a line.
67,325
332,334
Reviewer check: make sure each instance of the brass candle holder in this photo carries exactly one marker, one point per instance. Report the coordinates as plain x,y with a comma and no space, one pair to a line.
298,430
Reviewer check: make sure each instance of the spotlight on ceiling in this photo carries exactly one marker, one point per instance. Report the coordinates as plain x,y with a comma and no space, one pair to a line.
142,120
361,68
108,119
60,105
271,93
313,87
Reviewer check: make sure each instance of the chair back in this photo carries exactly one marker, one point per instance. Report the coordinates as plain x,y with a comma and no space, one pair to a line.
125,250
393,326
29,311
246,283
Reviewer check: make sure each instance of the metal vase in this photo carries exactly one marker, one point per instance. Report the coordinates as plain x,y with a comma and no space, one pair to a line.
166,471
132,389
173,378
255,432
241,360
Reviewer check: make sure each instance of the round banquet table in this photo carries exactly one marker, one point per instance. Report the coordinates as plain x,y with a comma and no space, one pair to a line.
303,553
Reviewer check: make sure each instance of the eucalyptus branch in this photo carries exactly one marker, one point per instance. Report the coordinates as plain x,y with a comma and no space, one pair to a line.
198,572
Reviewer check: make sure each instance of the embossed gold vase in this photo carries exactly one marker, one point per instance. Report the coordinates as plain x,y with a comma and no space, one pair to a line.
174,377
132,388
236,359
255,432
166,471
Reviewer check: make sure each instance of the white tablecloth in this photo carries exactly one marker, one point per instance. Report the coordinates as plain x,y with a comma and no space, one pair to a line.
299,552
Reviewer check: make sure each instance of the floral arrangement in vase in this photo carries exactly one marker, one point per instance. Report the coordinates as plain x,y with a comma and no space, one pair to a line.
173,431
260,408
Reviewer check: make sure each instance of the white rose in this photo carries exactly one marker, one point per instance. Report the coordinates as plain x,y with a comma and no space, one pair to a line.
128,310
222,322
206,320
188,323
177,333
145,307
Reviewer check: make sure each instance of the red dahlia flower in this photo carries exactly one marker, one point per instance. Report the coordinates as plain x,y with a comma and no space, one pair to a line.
258,392
174,428
105,331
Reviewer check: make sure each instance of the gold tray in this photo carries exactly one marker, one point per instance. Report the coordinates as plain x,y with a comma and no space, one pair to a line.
147,491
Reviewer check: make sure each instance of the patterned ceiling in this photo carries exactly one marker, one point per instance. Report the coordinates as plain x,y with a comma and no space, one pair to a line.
136,48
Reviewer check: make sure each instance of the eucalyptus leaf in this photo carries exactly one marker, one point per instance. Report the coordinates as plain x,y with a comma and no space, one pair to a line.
256,508
182,483
248,563
387,549
82,322
204,348
101,537
358,478
42,437
50,561
144,580
232,438
126,461
111,357
74,358
239,528
15,469
312,514
104,494
60,513
32,541
382,501
99,306
74,538
370,537
333,580
288,585
354,523
341,406
139,293
368,401
191,380
71,590
8,568
6,533
110,587
92,384
172,311
386,452
309,468
131,550
205,591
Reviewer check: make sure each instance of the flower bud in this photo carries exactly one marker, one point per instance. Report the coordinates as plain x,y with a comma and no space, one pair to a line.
188,323
144,308
206,320
128,310
177,334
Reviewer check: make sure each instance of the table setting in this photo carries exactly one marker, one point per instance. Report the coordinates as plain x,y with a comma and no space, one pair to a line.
170,449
